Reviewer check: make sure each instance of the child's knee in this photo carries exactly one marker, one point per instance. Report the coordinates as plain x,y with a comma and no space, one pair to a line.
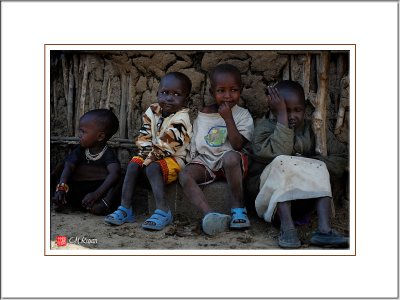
132,168
231,160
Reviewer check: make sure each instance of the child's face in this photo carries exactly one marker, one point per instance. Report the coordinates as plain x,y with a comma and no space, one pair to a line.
295,108
226,88
172,95
89,133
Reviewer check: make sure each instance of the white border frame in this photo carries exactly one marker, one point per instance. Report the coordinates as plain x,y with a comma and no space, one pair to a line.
372,25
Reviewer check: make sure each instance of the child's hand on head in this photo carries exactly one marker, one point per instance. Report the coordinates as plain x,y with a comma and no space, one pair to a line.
225,111
276,102
277,105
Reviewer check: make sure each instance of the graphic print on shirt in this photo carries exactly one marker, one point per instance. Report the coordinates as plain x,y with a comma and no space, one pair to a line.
216,136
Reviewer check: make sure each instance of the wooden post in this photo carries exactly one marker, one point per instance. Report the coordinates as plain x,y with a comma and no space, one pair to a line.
70,103
108,94
92,100
65,75
55,101
340,70
344,103
77,62
319,122
286,69
103,95
81,104
307,74
130,108
122,111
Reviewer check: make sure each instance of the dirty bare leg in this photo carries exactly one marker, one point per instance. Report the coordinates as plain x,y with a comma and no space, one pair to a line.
231,162
189,178
285,215
324,214
155,176
129,185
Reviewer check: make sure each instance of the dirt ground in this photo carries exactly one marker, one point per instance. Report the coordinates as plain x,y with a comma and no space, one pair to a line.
84,230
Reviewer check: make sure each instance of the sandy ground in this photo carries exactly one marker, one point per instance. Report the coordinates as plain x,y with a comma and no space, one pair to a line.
84,230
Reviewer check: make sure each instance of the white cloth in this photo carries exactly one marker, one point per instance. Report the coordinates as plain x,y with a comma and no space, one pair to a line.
210,136
289,178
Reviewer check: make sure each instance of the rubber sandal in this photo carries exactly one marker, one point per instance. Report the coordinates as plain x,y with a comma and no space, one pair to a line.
239,218
329,239
160,219
118,217
214,223
289,239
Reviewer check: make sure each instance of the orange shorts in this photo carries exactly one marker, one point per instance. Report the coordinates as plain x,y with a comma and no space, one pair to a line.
169,167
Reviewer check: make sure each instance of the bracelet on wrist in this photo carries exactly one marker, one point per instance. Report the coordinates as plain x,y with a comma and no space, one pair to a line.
62,187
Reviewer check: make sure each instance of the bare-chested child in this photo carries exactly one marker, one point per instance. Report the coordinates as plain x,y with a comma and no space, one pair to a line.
92,170
163,141
220,132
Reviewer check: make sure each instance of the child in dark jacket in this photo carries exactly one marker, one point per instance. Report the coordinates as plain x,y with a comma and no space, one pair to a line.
285,173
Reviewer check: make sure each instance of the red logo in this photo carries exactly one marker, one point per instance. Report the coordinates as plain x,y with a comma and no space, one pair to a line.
61,240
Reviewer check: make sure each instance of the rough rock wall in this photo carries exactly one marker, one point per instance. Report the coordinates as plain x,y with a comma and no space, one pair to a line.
127,81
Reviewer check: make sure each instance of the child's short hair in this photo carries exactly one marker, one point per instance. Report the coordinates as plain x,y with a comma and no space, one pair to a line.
292,86
106,119
187,83
225,68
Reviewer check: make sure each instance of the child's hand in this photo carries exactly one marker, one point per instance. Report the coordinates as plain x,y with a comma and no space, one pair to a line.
59,198
89,200
225,111
276,102
277,105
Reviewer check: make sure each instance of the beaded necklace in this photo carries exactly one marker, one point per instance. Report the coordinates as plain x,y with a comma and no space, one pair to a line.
94,157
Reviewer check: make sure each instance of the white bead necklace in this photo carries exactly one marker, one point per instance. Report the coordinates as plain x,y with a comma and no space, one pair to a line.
93,157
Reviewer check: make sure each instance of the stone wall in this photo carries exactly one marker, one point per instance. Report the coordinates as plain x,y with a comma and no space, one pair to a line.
127,81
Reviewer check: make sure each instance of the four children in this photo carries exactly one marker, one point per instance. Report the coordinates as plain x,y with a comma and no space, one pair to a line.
279,174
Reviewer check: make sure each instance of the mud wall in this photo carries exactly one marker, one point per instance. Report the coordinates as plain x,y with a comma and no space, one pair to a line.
127,81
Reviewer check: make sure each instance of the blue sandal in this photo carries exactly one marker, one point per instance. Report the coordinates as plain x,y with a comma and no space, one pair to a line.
120,216
239,218
158,221
214,223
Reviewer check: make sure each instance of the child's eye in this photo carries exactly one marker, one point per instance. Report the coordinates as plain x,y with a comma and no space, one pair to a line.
177,94
164,93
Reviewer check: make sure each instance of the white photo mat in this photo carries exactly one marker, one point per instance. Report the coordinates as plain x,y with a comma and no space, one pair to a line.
375,118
